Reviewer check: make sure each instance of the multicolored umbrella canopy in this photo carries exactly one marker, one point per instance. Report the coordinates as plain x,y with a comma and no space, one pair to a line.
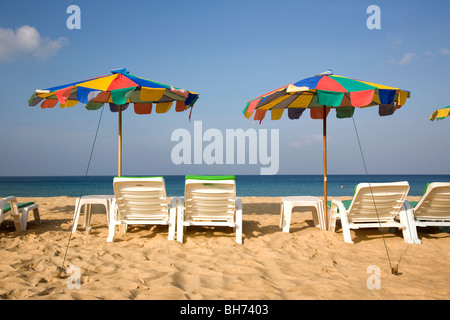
333,91
440,114
322,93
119,89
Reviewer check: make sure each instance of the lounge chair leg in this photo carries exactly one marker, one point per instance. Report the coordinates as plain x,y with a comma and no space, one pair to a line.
18,224
37,217
112,230
24,213
16,214
315,215
87,216
281,215
409,226
123,228
180,226
333,217
23,219
171,230
238,222
112,222
239,233
76,215
87,209
287,213
173,218
180,229
346,228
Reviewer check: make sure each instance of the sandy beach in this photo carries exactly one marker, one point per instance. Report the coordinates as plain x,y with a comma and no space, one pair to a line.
306,263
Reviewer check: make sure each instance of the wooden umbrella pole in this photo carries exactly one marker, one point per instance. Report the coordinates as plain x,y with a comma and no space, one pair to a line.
120,141
325,165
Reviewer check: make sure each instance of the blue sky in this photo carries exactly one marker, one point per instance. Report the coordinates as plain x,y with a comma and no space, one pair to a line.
228,52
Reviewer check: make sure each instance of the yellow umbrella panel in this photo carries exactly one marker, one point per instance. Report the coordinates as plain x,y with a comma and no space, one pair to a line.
440,114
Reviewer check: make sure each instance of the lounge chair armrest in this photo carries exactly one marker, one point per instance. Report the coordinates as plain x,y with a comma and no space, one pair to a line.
14,211
338,205
13,204
9,198
6,200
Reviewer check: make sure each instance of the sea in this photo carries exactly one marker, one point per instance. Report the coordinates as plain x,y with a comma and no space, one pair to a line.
246,185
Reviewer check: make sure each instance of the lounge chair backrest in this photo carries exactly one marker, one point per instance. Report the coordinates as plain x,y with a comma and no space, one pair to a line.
435,203
210,199
141,198
375,201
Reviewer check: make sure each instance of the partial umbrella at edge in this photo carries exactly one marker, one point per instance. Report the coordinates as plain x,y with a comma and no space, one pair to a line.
440,114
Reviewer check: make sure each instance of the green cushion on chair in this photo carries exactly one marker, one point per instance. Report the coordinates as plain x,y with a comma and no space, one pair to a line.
210,177
346,203
413,203
20,205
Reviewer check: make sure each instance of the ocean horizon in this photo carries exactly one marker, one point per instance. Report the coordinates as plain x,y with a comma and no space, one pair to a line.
246,185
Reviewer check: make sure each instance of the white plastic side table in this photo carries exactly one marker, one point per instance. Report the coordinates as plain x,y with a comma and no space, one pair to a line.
87,202
289,203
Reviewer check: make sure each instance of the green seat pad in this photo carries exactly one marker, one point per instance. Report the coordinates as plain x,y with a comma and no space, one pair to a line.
346,203
20,205
413,203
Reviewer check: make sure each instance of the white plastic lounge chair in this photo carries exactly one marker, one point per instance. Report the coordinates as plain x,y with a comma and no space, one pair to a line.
210,201
141,201
19,212
433,209
374,205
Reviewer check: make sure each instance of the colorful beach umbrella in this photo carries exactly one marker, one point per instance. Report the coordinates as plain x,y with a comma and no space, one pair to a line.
118,89
322,93
440,114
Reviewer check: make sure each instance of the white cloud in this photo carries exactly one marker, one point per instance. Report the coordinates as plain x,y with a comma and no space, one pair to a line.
394,40
444,51
306,140
429,54
27,40
407,58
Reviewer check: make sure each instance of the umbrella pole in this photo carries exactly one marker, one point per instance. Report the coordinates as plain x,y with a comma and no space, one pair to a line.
325,165
120,141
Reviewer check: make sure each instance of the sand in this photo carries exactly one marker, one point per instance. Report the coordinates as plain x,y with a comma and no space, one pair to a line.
305,263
